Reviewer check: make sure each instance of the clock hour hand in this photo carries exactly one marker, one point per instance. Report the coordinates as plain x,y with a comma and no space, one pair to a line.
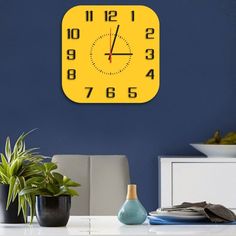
113,43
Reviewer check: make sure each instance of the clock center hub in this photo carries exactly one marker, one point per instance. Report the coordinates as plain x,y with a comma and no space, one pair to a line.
110,62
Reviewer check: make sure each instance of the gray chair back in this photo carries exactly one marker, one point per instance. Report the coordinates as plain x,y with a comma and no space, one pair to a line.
103,180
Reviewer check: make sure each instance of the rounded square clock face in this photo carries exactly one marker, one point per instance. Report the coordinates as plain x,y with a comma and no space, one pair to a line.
110,54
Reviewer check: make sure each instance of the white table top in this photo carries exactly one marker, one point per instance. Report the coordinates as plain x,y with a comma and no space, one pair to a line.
110,226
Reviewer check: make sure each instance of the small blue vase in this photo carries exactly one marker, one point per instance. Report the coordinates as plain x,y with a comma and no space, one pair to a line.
132,212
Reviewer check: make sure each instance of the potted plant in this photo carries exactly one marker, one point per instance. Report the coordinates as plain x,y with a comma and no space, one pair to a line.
18,167
53,196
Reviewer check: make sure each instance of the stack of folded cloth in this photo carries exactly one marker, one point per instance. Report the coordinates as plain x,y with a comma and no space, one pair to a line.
190,213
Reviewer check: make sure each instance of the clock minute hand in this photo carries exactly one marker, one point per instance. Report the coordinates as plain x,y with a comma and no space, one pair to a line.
113,43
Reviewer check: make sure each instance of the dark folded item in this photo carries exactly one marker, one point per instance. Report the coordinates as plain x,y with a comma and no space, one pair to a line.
214,212
218,213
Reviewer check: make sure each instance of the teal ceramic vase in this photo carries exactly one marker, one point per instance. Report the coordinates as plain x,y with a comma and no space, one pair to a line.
132,212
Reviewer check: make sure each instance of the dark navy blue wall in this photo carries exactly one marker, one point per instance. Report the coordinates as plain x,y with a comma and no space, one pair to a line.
197,94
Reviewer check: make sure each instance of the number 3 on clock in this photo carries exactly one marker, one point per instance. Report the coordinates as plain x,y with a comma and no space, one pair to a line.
110,54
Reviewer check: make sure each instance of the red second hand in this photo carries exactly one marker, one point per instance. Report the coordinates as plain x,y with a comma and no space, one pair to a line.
110,48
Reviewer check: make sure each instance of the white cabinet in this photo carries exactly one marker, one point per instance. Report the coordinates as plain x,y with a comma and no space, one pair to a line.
197,179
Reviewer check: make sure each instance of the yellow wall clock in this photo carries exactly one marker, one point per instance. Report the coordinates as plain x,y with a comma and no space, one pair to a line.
110,54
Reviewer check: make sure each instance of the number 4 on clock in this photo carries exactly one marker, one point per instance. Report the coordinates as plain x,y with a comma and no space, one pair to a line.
150,74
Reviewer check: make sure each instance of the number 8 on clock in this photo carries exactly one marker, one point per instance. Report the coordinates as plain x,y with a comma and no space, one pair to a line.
110,54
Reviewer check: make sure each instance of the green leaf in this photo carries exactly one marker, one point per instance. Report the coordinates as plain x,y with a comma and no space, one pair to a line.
67,191
18,144
30,174
65,179
37,180
16,189
27,190
4,176
72,192
20,203
21,181
68,182
53,188
50,166
58,177
71,183
5,164
28,153
14,167
32,207
43,191
23,206
10,193
8,149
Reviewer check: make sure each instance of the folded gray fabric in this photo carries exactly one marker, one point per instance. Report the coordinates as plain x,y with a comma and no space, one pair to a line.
214,212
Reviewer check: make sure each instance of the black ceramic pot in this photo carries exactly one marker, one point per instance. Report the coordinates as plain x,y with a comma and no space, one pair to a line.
10,215
53,211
